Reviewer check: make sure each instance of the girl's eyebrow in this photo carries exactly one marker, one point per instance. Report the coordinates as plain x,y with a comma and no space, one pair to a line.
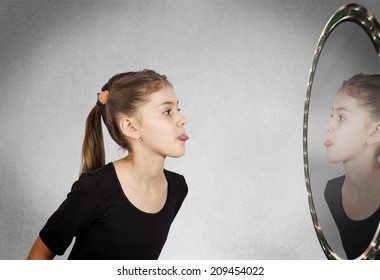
168,103
340,109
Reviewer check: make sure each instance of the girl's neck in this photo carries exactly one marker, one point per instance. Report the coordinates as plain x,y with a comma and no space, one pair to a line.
361,190
143,171
149,165
362,177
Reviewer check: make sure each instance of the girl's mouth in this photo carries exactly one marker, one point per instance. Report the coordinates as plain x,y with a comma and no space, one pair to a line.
328,143
183,137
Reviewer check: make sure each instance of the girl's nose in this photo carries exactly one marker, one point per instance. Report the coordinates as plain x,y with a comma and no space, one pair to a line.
182,120
329,127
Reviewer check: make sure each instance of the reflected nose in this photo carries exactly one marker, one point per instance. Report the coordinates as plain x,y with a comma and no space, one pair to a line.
329,127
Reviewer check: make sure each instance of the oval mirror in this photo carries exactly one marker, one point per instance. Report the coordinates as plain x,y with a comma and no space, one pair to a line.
346,227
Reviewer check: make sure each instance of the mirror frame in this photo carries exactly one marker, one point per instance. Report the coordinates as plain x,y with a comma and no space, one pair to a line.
364,18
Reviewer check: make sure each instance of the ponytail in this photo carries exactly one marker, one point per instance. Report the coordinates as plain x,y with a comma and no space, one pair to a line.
93,155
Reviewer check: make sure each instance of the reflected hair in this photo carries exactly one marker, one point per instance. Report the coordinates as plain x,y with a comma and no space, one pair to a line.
366,89
126,92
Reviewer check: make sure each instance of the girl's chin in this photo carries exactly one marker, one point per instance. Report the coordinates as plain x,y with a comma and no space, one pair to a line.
332,160
177,155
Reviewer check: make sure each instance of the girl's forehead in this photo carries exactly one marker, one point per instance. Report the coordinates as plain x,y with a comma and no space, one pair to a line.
350,104
343,100
164,95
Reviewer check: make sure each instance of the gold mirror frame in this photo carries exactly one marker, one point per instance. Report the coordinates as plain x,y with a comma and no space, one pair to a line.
361,16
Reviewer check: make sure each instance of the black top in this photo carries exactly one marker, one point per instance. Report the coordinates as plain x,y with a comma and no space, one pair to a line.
106,224
356,236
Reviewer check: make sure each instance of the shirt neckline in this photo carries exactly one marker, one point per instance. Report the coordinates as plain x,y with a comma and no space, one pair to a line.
374,214
134,206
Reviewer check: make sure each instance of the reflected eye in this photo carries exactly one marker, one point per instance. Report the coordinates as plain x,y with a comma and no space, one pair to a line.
341,118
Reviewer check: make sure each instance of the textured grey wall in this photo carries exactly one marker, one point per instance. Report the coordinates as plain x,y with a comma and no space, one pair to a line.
240,70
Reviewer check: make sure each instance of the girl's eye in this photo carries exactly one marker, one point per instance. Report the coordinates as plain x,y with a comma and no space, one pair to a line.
167,112
341,118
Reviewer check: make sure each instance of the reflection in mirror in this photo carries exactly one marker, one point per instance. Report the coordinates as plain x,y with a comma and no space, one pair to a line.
353,139
332,106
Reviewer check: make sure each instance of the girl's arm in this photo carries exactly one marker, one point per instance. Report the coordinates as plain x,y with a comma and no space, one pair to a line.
40,251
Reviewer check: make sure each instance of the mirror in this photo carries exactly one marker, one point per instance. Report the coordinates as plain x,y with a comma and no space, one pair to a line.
353,48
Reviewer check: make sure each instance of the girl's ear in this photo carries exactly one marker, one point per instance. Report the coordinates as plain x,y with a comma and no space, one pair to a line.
128,127
375,135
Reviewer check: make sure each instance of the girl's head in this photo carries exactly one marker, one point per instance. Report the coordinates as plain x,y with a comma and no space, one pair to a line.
121,96
354,128
366,89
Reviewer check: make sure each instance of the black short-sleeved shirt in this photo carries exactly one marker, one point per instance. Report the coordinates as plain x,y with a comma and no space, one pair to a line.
356,236
105,224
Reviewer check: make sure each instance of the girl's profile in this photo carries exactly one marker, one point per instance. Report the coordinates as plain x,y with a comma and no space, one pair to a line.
353,139
123,209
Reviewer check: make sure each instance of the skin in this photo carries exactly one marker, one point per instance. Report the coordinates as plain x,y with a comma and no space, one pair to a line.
153,133
353,138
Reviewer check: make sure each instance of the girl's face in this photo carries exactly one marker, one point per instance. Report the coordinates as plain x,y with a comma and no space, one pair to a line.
161,125
348,129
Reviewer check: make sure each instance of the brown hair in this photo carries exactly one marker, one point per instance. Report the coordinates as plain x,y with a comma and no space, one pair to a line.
366,89
127,91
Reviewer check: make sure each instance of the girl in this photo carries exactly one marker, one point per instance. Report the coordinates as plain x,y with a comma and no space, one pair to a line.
124,209
353,138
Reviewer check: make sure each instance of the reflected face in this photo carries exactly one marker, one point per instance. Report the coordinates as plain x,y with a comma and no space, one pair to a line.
161,125
347,130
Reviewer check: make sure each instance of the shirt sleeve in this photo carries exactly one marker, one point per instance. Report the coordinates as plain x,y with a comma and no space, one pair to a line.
81,206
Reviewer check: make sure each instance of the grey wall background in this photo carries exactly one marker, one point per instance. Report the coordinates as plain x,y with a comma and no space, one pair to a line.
240,70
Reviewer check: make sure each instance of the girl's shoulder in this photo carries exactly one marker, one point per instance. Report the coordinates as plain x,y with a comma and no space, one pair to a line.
96,179
176,181
333,190
179,178
106,170
335,184
172,174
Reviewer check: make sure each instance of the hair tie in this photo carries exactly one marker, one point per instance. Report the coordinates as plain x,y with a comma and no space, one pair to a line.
102,97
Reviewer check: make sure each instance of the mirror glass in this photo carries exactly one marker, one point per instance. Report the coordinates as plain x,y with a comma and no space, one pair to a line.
348,46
